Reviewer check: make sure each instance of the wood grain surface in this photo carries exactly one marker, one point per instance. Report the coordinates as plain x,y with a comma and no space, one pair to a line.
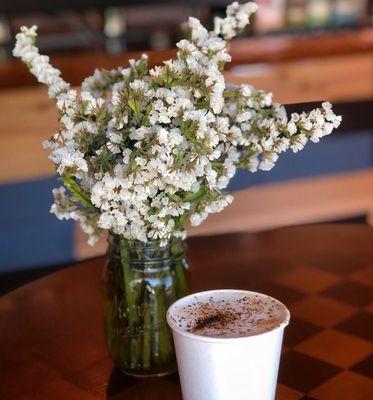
75,67
51,331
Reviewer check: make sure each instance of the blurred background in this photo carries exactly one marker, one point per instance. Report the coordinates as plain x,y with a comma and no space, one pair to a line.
302,50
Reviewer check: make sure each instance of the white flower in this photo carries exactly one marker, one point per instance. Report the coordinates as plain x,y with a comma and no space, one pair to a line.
145,152
39,65
106,221
268,161
69,158
237,18
162,135
298,142
292,128
186,45
139,85
219,205
330,116
198,32
114,137
197,218
253,163
281,145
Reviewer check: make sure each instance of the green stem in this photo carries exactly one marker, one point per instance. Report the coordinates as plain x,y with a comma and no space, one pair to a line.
180,269
130,300
182,281
165,346
146,346
179,224
77,192
155,327
196,196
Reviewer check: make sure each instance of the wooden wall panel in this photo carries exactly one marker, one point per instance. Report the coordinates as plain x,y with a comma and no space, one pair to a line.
27,118
339,78
244,50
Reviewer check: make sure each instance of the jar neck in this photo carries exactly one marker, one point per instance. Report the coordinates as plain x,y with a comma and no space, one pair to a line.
144,252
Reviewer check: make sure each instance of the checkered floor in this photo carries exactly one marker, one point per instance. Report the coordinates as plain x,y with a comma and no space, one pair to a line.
328,345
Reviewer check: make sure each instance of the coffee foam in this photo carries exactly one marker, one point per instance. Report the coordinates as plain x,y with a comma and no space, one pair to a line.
228,314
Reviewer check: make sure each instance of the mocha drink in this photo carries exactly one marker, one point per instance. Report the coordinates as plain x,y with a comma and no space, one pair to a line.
224,314
228,344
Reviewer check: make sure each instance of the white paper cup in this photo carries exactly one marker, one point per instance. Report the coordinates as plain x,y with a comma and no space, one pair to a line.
240,368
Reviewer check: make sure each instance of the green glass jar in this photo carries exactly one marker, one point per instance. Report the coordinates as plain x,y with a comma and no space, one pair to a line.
141,281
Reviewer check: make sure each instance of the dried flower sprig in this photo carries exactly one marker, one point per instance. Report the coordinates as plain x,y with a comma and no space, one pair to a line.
142,152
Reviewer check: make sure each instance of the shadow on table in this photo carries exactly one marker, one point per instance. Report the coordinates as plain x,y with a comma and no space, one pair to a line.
124,387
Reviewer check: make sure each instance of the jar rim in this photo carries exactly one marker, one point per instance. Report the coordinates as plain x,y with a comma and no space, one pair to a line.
146,254
113,238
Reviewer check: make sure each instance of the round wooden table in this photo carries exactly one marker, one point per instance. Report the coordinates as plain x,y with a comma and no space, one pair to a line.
51,331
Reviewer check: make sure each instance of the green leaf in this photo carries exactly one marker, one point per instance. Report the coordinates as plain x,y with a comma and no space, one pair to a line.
196,196
73,187
135,107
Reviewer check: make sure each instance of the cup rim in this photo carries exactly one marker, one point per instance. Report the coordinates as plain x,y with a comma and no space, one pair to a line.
172,324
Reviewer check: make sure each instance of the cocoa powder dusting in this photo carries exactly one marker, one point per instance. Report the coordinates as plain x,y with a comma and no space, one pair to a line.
216,321
231,317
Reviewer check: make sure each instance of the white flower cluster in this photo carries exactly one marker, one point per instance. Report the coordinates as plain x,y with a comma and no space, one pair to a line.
237,19
141,153
38,64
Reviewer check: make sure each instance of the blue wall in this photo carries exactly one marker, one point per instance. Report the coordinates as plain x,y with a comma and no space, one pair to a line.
29,235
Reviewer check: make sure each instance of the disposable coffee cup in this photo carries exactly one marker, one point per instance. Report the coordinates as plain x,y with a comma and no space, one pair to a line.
239,362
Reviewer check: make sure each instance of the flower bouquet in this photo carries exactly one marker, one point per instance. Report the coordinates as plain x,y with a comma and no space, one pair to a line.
143,152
